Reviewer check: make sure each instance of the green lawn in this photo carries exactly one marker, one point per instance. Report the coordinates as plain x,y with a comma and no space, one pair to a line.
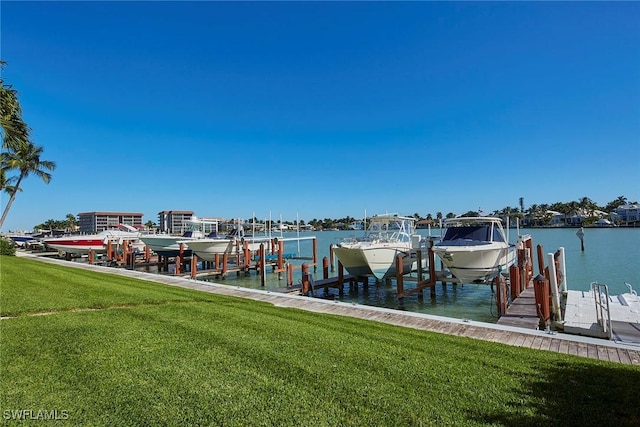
168,356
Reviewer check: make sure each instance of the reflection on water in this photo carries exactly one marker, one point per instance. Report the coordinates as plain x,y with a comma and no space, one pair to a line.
611,256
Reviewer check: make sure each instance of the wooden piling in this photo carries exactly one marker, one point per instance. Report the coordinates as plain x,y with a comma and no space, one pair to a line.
306,285
540,259
399,279
262,261
331,257
91,257
541,290
194,265
325,268
514,280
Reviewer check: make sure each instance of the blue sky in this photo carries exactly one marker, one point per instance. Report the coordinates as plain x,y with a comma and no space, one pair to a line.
324,109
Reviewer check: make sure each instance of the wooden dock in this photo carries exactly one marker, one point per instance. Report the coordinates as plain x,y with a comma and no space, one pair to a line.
516,336
521,313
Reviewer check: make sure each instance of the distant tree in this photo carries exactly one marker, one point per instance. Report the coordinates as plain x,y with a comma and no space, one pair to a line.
71,222
614,204
149,225
450,215
471,213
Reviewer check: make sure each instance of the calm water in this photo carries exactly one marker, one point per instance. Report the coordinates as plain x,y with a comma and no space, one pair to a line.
611,256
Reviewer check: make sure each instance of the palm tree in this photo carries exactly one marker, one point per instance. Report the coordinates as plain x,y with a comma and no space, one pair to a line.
15,132
26,159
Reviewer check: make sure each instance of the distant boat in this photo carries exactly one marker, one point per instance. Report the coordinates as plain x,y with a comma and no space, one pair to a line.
375,253
83,244
169,246
21,239
475,249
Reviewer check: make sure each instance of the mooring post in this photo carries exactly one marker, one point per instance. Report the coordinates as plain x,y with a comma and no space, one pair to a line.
541,291
514,281
225,260
540,259
325,268
315,255
262,262
399,279
305,280
91,256
331,257
341,276
432,268
289,274
194,265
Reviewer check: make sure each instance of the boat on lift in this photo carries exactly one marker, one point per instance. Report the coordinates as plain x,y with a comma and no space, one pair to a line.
169,245
375,254
475,249
84,243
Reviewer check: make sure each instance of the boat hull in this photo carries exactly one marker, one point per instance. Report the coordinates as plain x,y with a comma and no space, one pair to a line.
476,264
165,245
207,249
378,260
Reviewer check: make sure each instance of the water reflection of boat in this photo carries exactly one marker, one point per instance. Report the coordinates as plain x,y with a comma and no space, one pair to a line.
475,249
375,253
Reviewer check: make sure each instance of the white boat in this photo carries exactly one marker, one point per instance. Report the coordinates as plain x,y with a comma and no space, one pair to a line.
98,243
169,245
475,249
209,247
375,254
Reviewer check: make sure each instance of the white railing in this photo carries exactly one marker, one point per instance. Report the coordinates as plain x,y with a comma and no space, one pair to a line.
603,313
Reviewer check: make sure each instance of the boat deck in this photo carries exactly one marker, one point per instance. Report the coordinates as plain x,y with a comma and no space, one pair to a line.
510,335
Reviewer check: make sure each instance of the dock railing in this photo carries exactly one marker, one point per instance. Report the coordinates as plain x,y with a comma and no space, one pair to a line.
603,313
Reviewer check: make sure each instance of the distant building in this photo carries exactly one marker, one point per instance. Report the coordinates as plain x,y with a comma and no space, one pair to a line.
627,214
95,222
173,222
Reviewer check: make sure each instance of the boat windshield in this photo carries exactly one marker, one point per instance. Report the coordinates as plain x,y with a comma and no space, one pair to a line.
480,233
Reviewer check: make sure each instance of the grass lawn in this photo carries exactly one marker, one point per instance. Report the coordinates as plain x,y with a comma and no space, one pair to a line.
152,354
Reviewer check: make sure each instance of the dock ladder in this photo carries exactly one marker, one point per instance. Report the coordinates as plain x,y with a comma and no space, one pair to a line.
603,312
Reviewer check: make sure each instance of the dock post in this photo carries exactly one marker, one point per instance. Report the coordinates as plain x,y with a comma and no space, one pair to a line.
315,255
194,265
540,259
262,262
341,277
280,258
91,256
514,280
147,254
553,283
331,257
325,268
109,250
225,260
306,286
541,290
399,279
432,268
289,274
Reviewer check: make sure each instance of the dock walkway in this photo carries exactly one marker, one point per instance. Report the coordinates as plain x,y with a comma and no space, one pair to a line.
506,334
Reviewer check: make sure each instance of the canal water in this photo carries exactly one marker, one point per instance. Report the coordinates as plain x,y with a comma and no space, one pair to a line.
611,256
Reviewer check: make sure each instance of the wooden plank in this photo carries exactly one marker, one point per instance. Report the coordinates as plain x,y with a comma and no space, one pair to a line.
536,343
528,341
555,345
603,354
